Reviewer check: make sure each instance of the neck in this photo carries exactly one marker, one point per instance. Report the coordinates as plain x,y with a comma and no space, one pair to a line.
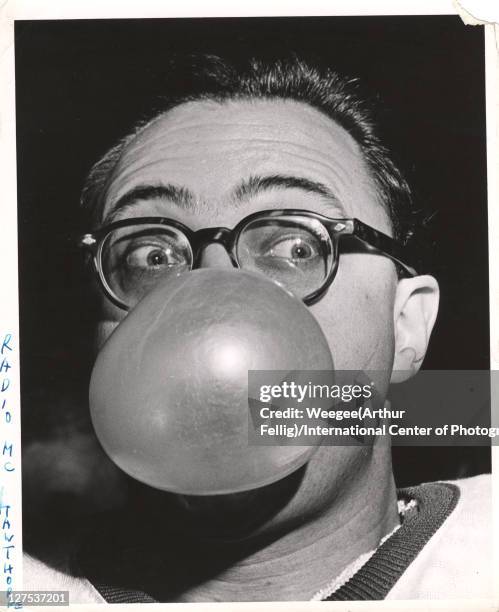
296,565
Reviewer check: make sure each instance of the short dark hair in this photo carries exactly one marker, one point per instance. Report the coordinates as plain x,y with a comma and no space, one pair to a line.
339,98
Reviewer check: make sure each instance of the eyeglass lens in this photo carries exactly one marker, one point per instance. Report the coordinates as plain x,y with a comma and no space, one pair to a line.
295,251
135,259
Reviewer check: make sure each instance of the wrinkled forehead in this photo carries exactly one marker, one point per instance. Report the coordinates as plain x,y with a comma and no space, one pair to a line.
209,147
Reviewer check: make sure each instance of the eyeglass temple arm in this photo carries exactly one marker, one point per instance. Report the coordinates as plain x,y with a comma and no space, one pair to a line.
377,242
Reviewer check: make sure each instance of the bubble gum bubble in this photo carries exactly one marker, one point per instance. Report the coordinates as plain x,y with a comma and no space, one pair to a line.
169,390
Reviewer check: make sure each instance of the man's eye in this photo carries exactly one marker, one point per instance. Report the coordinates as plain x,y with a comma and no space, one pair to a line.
151,257
293,248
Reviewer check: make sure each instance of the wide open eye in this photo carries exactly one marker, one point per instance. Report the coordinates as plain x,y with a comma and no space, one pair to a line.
295,248
152,257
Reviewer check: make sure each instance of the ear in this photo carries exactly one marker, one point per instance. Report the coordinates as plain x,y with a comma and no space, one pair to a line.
414,311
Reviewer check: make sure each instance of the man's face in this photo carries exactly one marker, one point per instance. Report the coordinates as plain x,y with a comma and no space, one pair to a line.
209,150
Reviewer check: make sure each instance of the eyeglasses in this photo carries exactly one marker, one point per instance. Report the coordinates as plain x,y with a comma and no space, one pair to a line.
298,249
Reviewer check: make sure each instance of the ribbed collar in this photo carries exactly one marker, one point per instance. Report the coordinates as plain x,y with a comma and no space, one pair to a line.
374,580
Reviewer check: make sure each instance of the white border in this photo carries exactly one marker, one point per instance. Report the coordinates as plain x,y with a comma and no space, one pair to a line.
10,482
492,111
102,9
64,9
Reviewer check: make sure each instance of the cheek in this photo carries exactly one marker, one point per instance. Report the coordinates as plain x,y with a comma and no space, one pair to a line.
104,330
356,315
111,317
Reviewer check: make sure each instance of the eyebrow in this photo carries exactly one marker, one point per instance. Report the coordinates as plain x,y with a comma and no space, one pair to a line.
246,189
258,184
177,195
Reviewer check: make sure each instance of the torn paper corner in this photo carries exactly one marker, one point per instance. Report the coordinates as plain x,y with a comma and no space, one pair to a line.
478,12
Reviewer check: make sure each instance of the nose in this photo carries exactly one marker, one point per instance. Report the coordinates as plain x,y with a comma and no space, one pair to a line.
214,256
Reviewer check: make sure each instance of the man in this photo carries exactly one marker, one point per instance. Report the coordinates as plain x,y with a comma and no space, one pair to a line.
284,136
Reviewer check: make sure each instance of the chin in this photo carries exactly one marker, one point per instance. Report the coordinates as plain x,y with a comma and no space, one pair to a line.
232,517
238,516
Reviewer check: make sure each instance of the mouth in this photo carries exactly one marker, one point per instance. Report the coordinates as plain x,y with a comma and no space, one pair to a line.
227,518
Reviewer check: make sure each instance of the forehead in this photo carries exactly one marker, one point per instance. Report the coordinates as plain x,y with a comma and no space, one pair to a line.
208,148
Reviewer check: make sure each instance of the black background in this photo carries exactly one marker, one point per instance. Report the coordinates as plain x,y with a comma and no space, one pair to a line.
81,84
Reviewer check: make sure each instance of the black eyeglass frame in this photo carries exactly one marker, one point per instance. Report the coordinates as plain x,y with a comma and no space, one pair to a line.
373,241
